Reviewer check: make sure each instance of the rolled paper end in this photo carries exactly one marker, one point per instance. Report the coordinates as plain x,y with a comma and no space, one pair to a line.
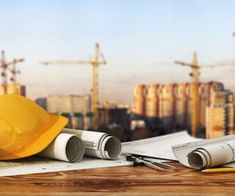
112,147
197,160
75,149
65,147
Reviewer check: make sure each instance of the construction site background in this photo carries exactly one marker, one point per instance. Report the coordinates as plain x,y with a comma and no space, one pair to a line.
203,109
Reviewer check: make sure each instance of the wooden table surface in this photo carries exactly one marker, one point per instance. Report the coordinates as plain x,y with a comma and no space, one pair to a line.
124,180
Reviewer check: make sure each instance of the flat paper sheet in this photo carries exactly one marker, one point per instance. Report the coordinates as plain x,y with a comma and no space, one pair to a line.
158,146
33,165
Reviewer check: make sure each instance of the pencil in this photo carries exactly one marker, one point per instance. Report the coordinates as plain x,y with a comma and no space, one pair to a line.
219,170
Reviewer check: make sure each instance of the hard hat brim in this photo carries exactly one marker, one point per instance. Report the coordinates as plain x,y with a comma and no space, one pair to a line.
57,123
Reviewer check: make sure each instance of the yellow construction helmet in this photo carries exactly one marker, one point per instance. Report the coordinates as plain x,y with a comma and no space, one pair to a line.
25,128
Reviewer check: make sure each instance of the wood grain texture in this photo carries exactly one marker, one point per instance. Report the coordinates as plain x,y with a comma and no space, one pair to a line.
121,180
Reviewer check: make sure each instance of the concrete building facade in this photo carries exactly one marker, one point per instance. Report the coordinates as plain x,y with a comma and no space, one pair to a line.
69,104
139,100
220,114
171,106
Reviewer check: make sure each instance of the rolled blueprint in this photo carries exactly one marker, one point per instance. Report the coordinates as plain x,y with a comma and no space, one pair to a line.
212,155
65,147
98,144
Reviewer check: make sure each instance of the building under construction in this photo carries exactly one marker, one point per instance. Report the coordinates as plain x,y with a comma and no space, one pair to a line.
9,68
77,108
13,89
168,107
115,121
220,114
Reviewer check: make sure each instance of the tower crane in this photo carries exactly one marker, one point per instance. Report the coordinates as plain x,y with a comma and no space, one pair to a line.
14,72
195,79
95,63
5,67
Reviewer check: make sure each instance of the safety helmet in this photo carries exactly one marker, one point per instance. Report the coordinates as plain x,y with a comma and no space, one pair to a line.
25,127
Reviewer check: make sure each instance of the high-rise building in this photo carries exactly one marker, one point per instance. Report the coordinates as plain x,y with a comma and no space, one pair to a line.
215,121
139,100
76,108
220,114
151,106
168,107
110,116
181,106
69,104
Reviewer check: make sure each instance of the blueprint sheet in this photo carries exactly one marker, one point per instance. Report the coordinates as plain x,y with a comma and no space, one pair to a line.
160,146
36,164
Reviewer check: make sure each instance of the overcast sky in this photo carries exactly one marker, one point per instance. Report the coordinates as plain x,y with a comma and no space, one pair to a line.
139,38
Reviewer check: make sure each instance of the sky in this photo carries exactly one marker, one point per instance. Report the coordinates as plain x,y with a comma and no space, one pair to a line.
140,40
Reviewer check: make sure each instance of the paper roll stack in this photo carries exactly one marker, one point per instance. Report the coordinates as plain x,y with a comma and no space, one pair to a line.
71,145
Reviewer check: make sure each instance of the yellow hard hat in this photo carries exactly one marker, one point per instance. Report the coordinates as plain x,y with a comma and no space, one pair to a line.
25,128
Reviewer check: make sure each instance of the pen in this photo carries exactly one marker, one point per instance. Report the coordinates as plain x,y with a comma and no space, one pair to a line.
219,170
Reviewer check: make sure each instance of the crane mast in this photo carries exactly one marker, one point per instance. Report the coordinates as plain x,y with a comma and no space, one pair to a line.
4,67
95,89
195,110
195,95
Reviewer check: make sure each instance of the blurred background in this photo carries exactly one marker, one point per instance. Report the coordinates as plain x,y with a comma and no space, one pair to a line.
132,68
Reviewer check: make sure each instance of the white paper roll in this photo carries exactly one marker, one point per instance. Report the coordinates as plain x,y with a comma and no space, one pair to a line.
212,155
65,147
98,144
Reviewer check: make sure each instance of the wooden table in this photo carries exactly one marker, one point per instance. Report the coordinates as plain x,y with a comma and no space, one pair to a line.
121,180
